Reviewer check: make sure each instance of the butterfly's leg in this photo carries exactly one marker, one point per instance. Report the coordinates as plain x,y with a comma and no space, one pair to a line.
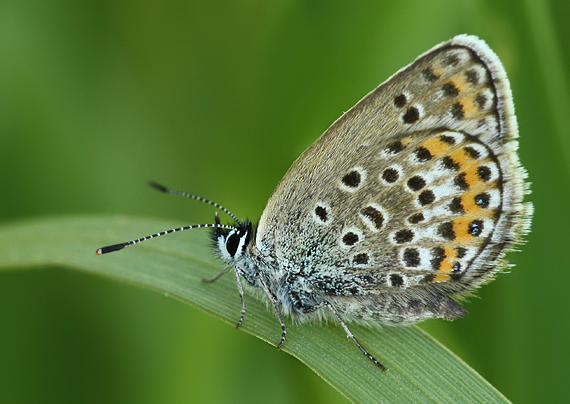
351,336
240,290
215,277
274,303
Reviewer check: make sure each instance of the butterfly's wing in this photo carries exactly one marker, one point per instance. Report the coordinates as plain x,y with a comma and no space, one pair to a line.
413,194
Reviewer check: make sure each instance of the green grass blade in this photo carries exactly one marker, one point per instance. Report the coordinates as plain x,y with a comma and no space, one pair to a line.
419,368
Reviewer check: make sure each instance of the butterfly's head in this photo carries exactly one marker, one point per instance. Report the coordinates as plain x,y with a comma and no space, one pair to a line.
232,243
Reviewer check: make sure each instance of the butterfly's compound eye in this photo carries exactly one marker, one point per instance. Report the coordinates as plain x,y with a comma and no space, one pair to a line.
232,243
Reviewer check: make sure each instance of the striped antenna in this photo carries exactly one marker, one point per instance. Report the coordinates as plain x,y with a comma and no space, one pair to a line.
120,246
162,188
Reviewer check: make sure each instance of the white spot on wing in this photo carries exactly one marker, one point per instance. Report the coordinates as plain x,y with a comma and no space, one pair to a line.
360,171
369,223
483,153
328,213
398,169
354,230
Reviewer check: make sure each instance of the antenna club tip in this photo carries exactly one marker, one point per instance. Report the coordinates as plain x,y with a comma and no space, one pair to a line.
111,248
158,186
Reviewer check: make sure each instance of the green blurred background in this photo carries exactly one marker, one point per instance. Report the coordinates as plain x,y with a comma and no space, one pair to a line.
218,98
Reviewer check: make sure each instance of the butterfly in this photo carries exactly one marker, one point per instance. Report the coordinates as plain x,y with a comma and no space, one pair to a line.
408,202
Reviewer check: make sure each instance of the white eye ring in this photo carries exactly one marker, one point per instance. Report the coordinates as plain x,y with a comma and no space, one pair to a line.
233,242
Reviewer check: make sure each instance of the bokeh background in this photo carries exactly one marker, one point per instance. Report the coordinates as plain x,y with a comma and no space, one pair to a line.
218,98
